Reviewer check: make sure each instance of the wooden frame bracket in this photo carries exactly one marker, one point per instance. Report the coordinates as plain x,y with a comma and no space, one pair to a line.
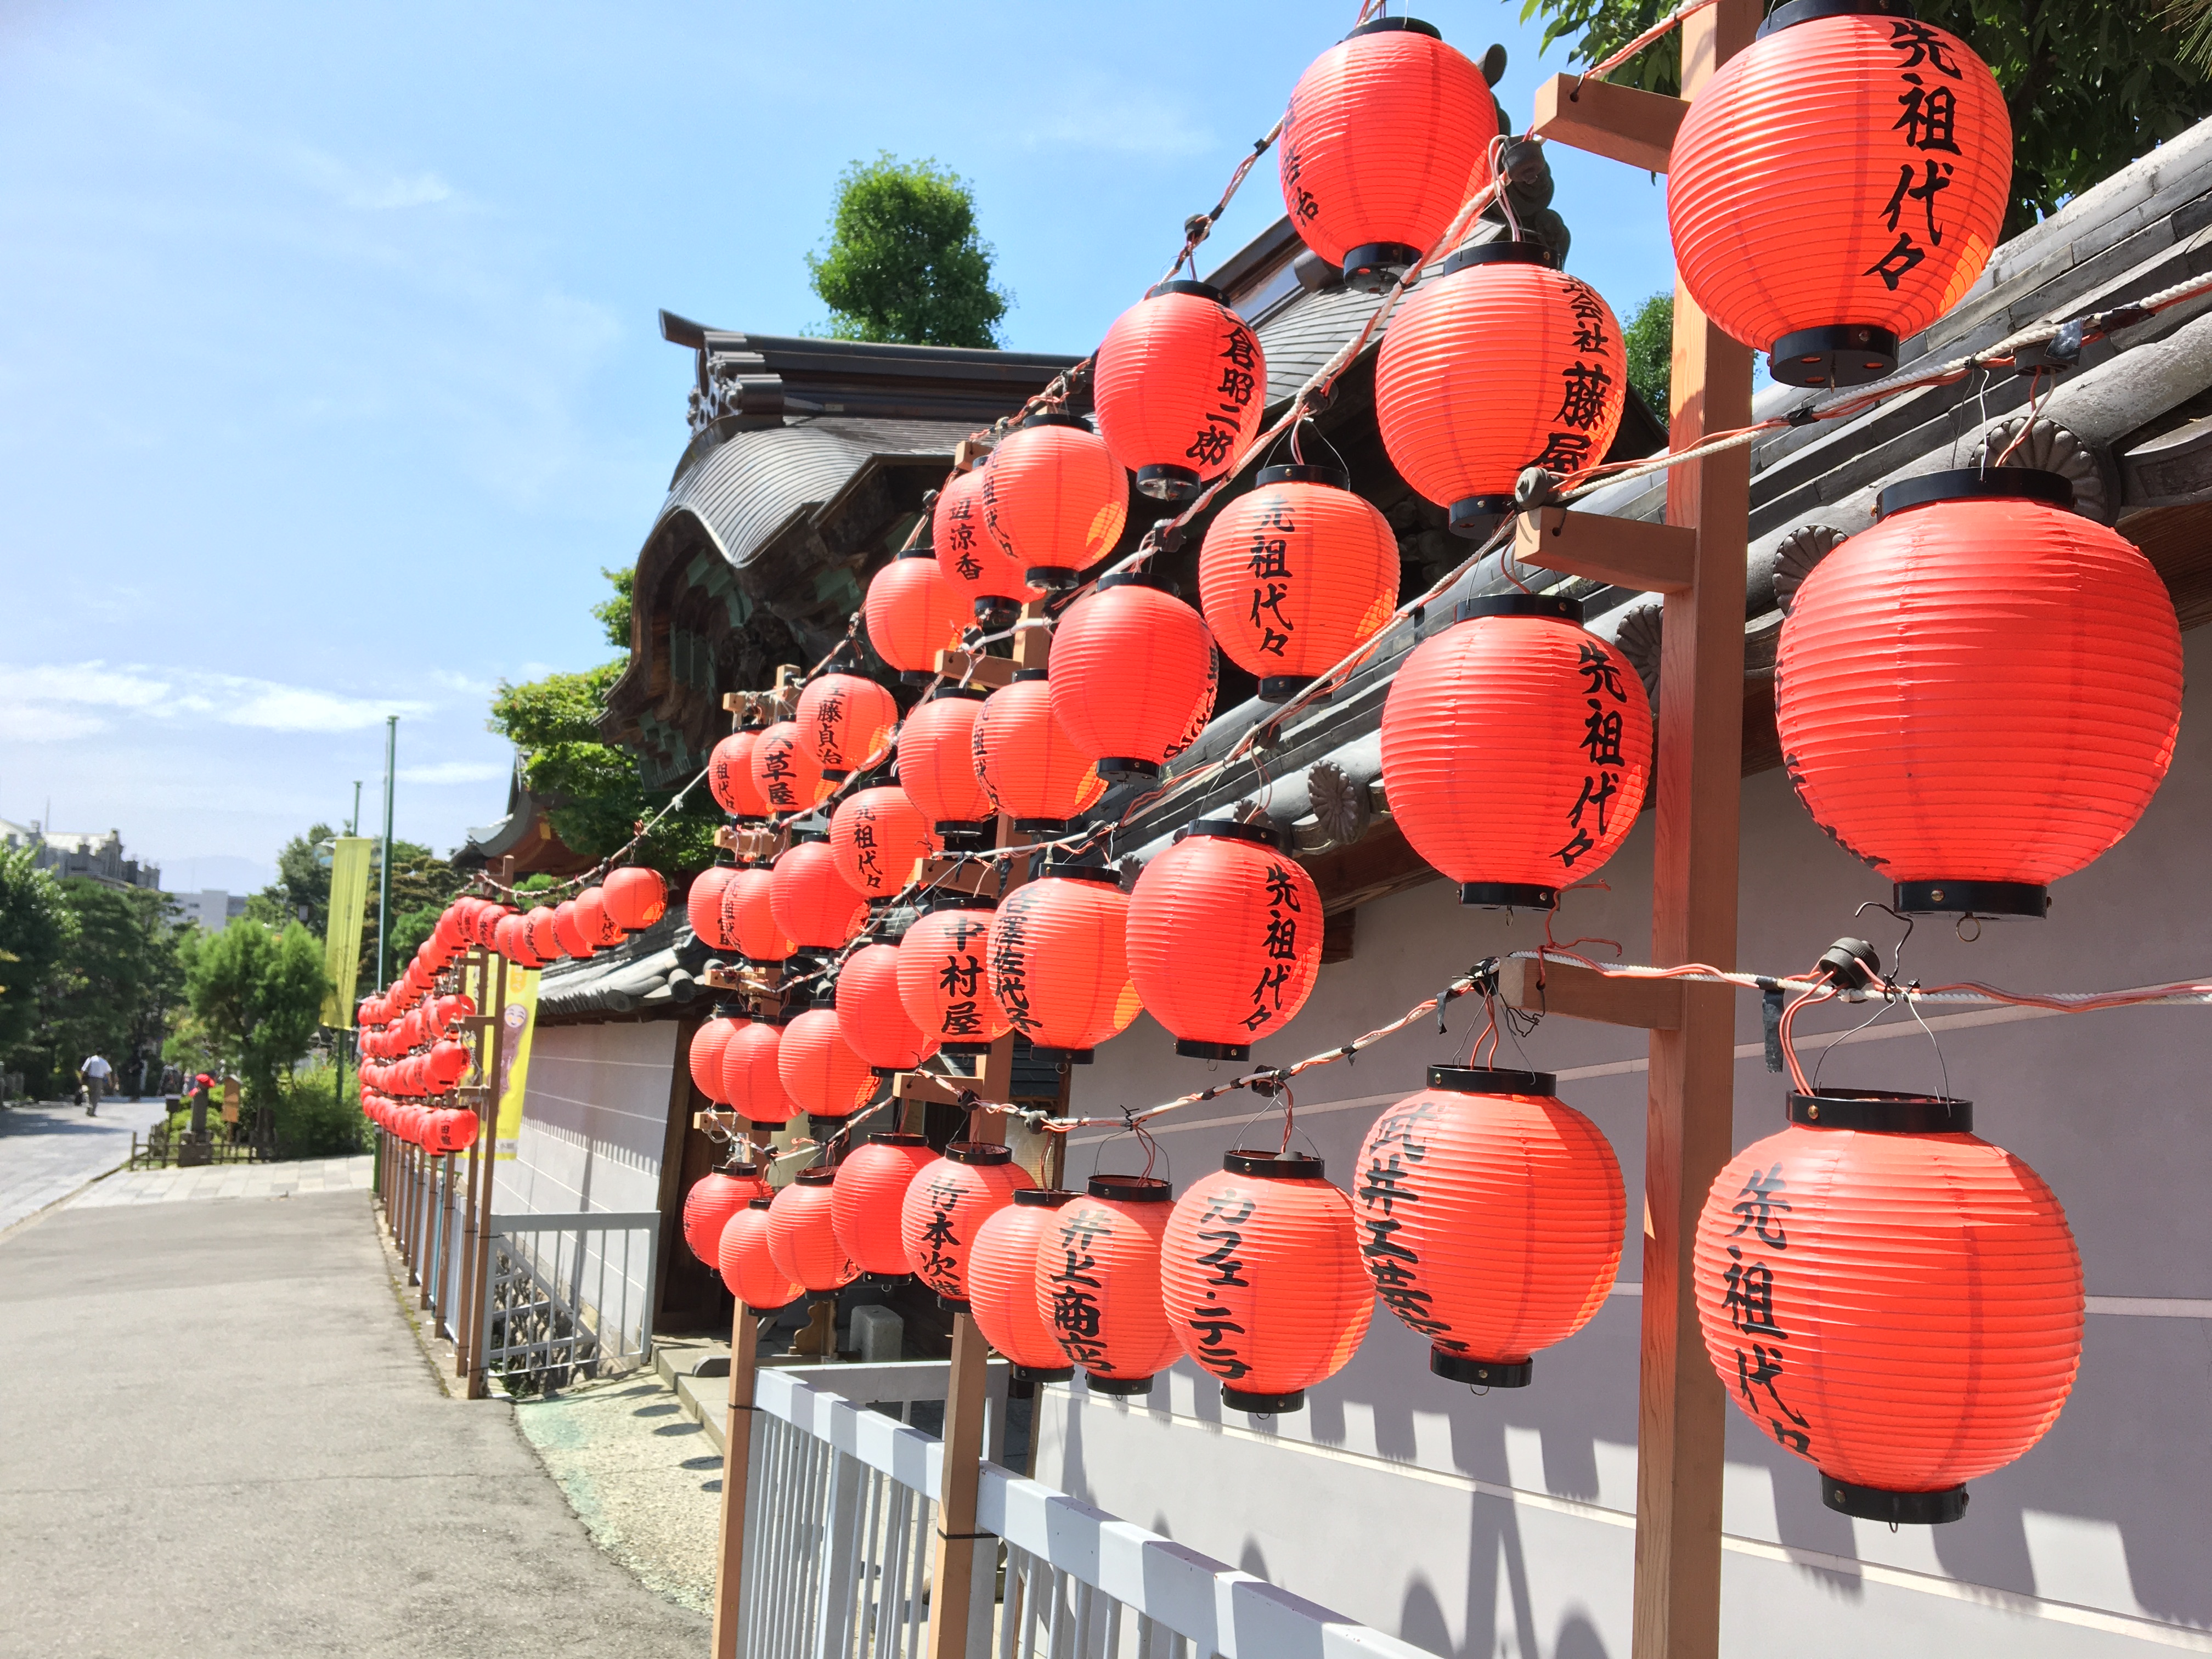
989,673
1569,989
1656,558
1624,123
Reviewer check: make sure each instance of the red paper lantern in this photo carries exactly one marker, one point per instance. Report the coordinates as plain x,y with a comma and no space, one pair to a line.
445,1132
712,1200
1030,767
1058,969
1545,724
730,775
1296,574
1180,383
1896,1301
449,1064
1980,694
1499,364
876,836
600,928
1259,1274
1224,938
1098,1283
1130,663
752,1082
1837,186
746,1266
1490,1216
802,1234
537,933
913,613
786,771
708,1045
942,976
872,1013
870,1197
977,567
1054,499
635,899
819,1069
846,721
1002,1288
811,901
936,767
946,1202
703,907
1385,137
749,916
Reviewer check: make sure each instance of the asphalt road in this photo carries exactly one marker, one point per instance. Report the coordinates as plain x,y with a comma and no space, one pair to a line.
218,1437
48,1151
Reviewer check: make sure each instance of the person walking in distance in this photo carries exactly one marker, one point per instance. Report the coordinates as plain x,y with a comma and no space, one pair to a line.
93,1075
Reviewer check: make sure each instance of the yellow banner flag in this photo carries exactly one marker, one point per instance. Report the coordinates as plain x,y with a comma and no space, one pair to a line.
517,1020
342,939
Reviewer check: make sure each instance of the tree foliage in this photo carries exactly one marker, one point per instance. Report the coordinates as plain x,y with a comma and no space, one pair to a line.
2089,87
904,262
36,928
1649,340
614,610
257,997
112,990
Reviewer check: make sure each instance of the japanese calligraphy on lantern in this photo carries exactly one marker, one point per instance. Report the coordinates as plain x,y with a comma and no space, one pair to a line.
829,723
1605,696
1072,1278
1010,969
775,773
1761,1352
1389,1182
1278,948
1587,392
1220,422
1927,131
1269,560
960,980
960,535
1212,1322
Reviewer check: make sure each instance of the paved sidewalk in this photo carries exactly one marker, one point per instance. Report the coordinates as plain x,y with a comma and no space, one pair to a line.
48,1151
220,1437
310,1175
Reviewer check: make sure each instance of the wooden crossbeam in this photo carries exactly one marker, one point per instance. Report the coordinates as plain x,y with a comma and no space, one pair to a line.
1577,993
1625,123
989,673
1656,558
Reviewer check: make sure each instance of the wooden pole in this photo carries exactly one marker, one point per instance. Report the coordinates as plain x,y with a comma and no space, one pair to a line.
736,1464
494,1051
953,1566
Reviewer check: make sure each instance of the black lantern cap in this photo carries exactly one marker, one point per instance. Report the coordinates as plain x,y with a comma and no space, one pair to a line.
1477,1080
1481,1373
1042,1198
1131,1189
1500,253
1969,483
1139,579
1554,607
1184,285
974,693
1054,418
1807,11
1264,1405
893,1139
979,1152
1105,874
815,1177
1899,1509
1335,478
1995,900
1260,834
1272,1166
1121,1387
1401,24
1879,1111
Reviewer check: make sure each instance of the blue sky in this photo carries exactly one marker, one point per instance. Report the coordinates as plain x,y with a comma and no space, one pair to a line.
329,369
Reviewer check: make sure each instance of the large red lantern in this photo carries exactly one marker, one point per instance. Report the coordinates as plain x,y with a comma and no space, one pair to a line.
1837,186
1030,767
878,836
802,1234
1054,499
712,1199
748,910
752,1082
1130,662
1098,1283
786,771
709,1044
913,613
1545,724
730,775
1295,573
1385,138
636,898
873,1014
1980,694
746,1266
811,902
944,1205
987,579
1488,1217
870,1199
820,1071
942,976
847,721
1224,938
1895,1300
703,907
537,933
1180,383
936,768
1058,968
1002,1288
1499,364
602,929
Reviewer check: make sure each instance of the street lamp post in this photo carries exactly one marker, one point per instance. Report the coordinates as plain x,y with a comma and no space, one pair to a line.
384,863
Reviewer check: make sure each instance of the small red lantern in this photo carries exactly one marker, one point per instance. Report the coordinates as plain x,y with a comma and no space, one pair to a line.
786,771
635,898
878,836
1980,694
730,775
703,907
1500,364
946,1202
873,1014
1385,137
1054,499
752,1082
1030,767
913,613
819,1069
1224,938
1294,574
1002,1291
748,913
1547,724
941,976
1490,1215
977,566
1895,1300
449,1064
1059,969
1837,186
1098,1283
1261,1278
746,1266
708,1045
1130,662
936,767
846,721
811,902
802,1234
538,934
601,929
712,1199
1180,383
870,1199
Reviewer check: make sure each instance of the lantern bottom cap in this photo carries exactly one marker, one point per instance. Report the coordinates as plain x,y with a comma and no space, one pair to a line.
915,676
995,612
1281,688
1063,1056
1190,1048
1481,1373
1053,578
1263,1405
963,1048
1121,1387
1899,1509
1167,484
1508,895
966,835
1991,899
1374,259
1475,516
951,1305
1044,826
1843,353
1044,1373
1118,769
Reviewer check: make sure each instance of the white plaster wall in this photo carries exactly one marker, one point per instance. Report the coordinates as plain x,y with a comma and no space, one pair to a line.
1499,1525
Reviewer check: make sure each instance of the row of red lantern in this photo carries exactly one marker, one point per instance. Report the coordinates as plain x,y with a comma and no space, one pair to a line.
438,1131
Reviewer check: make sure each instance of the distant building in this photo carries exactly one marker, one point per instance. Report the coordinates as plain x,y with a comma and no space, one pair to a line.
212,907
96,857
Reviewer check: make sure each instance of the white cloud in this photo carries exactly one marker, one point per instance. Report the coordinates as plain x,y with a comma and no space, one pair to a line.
92,682
421,191
455,772
44,702
299,708
36,723
1120,120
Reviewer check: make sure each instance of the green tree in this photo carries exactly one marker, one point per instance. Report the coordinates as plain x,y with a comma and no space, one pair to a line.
303,885
2089,87
422,885
613,611
258,998
904,262
37,927
112,988
1649,340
